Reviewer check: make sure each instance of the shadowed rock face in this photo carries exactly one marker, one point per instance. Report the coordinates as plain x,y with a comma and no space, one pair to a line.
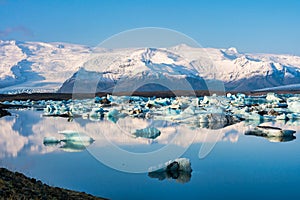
260,82
94,82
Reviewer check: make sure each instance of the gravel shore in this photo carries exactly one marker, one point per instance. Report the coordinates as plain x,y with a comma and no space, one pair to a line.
14,185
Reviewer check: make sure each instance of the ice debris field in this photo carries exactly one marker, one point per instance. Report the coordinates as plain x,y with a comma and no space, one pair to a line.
212,112
208,112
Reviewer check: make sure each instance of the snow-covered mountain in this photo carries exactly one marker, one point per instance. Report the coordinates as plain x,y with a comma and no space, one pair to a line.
40,67
37,66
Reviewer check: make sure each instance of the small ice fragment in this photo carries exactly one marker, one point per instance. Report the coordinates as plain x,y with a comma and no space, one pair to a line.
114,115
149,132
269,131
76,137
51,140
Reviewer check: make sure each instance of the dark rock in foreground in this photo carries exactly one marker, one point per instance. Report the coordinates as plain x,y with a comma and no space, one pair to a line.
14,185
4,112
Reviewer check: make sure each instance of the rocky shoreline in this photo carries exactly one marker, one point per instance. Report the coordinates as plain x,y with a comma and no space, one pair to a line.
14,185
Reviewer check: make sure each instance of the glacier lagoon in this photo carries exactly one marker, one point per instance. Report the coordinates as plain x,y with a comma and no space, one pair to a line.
238,166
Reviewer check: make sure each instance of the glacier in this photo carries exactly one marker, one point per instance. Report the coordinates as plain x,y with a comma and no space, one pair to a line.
49,67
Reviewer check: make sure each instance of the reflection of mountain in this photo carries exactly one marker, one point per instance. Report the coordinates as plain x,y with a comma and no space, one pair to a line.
11,141
27,131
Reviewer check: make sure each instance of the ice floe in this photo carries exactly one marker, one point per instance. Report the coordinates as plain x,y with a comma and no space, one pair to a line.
73,141
273,134
179,169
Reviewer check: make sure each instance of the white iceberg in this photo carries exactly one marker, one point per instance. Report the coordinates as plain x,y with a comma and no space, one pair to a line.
272,97
294,106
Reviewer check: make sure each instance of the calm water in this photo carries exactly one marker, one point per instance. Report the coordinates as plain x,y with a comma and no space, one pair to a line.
238,167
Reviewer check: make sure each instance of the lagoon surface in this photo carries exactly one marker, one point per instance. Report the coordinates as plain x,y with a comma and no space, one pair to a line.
238,166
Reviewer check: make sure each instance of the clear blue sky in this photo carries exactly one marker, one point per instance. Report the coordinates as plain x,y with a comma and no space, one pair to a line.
249,25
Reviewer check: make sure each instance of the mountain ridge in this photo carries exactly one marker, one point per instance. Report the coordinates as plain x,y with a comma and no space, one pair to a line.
39,66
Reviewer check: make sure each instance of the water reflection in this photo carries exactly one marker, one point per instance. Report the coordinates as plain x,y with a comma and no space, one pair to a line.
274,139
72,141
26,129
179,176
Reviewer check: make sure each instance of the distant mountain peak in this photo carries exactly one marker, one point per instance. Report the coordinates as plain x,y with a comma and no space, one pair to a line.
40,66
231,50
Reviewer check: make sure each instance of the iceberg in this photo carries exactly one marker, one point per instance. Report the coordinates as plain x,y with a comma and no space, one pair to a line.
294,106
150,132
76,138
293,116
179,164
272,97
114,115
269,131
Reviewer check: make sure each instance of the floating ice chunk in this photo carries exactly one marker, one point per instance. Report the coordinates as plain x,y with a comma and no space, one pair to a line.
76,137
114,115
179,164
170,111
175,106
253,116
203,118
240,96
97,113
162,102
72,141
217,117
294,116
49,108
281,117
272,97
241,112
294,106
271,131
251,101
215,101
191,110
268,117
102,100
97,99
149,132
